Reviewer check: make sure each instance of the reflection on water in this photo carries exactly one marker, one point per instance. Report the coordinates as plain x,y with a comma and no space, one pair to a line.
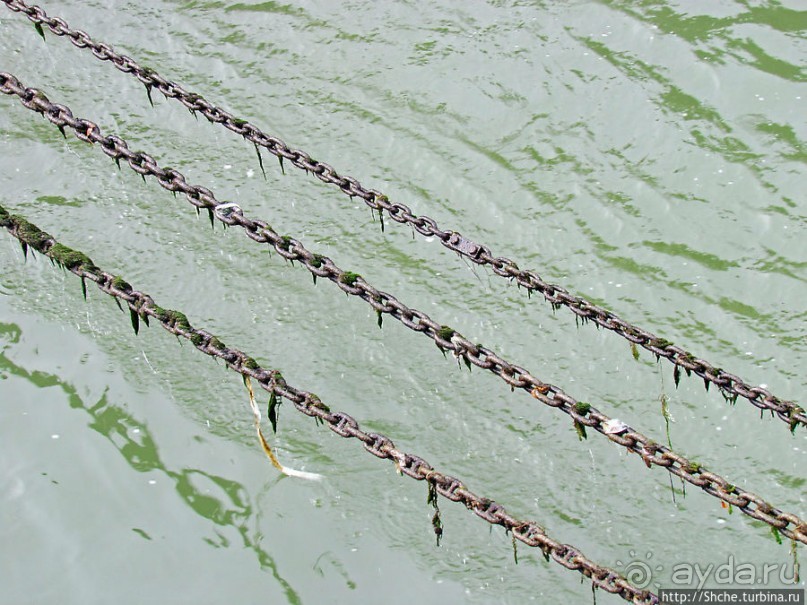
227,506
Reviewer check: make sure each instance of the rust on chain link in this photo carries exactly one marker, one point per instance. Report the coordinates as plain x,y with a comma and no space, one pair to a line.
731,385
446,338
143,306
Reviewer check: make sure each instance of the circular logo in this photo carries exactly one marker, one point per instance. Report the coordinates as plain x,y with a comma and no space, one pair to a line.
638,572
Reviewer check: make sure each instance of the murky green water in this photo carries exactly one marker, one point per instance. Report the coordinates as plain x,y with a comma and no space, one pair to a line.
647,155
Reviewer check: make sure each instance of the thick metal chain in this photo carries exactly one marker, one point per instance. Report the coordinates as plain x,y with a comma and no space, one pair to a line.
143,306
447,339
731,385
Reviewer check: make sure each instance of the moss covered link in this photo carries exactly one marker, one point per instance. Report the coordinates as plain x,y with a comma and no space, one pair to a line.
349,278
175,318
121,284
26,232
179,320
446,332
72,259
32,235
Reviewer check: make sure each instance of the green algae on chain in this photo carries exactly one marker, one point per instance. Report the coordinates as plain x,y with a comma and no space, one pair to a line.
554,294
121,284
580,429
582,408
29,235
431,498
316,262
26,233
379,314
272,410
240,124
515,547
72,259
794,422
444,333
77,262
40,31
794,416
150,73
316,402
349,278
177,323
513,375
174,318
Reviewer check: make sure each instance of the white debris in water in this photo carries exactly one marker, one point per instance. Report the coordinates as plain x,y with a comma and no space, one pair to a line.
301,474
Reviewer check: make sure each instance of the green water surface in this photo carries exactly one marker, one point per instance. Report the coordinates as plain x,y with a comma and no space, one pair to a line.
650,156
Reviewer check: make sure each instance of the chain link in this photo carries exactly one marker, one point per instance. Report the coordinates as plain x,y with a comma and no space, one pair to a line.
444,337
141,304
731,385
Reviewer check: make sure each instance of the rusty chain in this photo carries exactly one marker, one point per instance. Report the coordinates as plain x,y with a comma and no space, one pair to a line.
447,339
731,385
143,306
